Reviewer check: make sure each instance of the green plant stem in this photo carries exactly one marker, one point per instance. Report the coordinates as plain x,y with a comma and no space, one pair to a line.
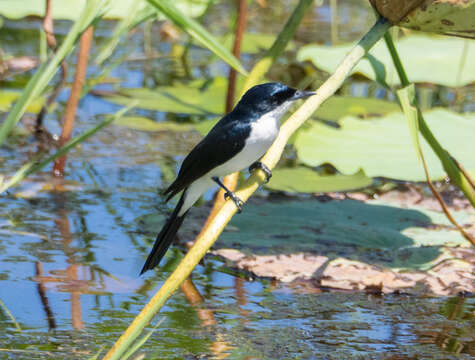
10,315
449,165
224,215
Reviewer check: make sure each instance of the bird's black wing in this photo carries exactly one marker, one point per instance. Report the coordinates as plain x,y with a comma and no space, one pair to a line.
223,142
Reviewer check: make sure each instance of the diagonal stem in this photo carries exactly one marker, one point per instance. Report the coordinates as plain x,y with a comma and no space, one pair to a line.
224,215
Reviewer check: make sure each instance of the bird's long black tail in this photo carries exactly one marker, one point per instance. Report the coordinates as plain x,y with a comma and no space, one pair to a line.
165,237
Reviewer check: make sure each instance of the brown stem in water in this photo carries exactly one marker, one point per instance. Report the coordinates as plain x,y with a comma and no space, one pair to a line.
40,286
71,106
48,28
195,299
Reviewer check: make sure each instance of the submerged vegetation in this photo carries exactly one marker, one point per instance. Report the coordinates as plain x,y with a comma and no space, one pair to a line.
148,79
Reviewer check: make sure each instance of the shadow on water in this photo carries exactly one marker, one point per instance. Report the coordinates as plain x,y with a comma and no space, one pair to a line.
352,229
70,253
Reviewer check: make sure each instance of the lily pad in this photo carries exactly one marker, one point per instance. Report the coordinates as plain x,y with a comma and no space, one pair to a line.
253,42
70,9
301,179
383,146
337,107
7,98
146,124
429,59
196,98
374,232
202,97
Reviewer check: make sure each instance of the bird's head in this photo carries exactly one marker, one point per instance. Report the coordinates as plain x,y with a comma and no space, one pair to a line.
269,97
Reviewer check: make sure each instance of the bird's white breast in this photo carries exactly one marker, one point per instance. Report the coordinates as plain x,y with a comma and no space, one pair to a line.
262,135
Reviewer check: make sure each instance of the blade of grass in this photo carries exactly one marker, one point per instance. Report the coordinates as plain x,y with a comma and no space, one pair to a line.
413,114
224,215
92,11
10,315
97,354
461,180
36,165
263,65
136,16
195,30
141,341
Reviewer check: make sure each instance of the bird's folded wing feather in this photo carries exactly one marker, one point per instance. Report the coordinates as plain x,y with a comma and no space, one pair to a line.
221,144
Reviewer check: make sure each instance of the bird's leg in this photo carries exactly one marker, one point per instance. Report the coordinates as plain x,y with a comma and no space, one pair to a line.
229,194
263,167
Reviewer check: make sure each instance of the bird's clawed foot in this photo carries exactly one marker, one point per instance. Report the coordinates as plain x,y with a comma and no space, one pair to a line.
263,167
237,201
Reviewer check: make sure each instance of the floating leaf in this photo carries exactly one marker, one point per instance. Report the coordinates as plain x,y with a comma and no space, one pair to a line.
426,59
145,124
383,146
8,97
70,9
374,232
195,98
337,107
202,97
304,180
253,42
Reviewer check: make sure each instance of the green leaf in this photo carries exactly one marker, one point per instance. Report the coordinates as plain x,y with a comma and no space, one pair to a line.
136,16
383,146
304,180
71,9
338,107
252,43
195,30
8,97
372,232
45,72
145,124
427,59
196,98
201,97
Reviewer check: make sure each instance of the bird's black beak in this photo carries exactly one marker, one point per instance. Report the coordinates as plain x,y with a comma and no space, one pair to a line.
299,94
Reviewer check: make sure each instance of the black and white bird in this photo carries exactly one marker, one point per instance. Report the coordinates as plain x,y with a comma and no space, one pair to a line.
236,142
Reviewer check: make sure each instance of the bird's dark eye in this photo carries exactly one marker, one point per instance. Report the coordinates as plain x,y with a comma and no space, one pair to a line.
284,95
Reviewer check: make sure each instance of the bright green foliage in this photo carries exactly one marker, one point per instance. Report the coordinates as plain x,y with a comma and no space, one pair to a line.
45,72
146,124
426,58
253,42
375,232
336,107
196,31
203,98
196,98
383,146
8,97
70,9
304,180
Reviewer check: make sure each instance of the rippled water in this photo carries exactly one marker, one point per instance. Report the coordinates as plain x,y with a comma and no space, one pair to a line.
70,258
